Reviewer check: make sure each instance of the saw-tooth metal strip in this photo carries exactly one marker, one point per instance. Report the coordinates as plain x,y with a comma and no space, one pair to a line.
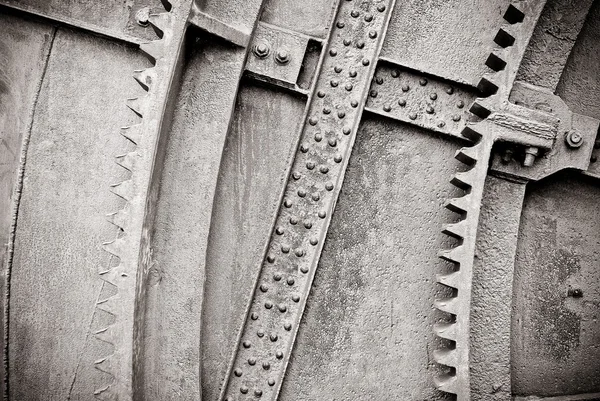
277,304
128,274
495,86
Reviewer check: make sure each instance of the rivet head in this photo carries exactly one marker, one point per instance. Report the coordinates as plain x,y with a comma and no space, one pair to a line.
266,365
291,281
304,148
460,104
354,14
326,110
387,107
246,344
277,276
261,50
244,390
310,165
337,69
313,242
324,169
321,94
456,117
273,337
412,116
287,203
260,333
279,355
341,114
395,74
318,137
308,224
254,316
279,230
337,158
271,382
450,90
282,308
373,93
313,121
251,361
334,83
360,44
258,393
329,186
348,87
299,252
574,139
354,103
381,8
285,248
264,288
441,124
372,34
333,52
270,258
282,56
322,214
268,305
405,88
429,110
379,80
296,298
238,372
302,194
368,17
402,102
347,42
422,81
340,24
287,326
352,73
433,96
365,62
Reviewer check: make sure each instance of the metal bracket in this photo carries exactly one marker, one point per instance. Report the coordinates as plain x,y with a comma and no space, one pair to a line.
574,142
218,28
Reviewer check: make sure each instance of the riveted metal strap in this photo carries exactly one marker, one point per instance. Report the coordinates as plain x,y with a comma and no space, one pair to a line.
326,141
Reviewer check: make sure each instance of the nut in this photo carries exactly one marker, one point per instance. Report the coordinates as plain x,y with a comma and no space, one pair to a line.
574,139
261,50
282,56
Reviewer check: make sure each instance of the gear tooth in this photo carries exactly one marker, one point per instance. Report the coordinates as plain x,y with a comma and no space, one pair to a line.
128,160
123,189
446,357
105,335
458,205
454,255
132,132
445,330
145,77
446,383
160,20
456,230
464,180
103,364
137,105
154,49
114,247
449,279
467,155
118,218
448,305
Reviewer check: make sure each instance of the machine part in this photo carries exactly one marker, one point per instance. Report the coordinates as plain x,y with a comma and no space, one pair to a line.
218,28
276,307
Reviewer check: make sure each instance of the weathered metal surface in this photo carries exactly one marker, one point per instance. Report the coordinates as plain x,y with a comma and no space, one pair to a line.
275,310
555,325
419,99
218,28
277,55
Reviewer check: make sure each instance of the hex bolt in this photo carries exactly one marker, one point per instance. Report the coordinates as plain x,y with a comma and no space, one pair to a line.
282,56
261,50
530,154
573,139
142,16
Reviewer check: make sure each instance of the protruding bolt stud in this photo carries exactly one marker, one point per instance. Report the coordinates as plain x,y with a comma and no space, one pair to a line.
507,156
261,50
574,139
282,56
142,16
531,153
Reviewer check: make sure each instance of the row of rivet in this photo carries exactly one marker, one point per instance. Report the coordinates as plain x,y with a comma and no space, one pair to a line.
290,262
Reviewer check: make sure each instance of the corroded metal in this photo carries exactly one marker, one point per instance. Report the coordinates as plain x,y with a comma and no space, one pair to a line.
419,99
267,337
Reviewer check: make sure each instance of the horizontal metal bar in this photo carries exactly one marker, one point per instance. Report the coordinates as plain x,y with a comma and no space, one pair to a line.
578,397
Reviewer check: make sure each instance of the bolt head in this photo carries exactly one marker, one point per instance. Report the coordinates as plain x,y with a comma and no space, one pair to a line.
574,139
261,50
142,16
282,56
